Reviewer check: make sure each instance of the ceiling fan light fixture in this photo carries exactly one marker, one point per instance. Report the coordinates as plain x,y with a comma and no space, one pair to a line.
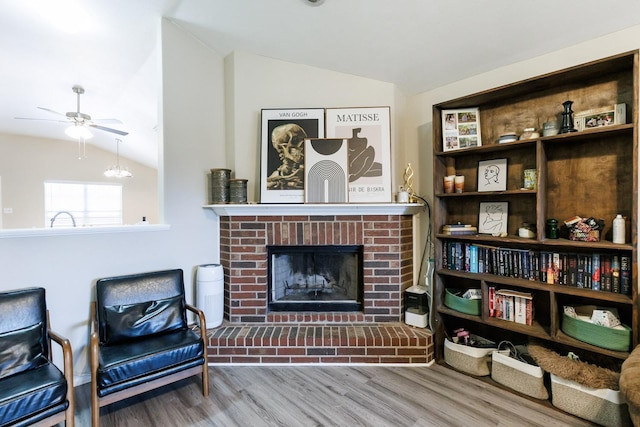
78,131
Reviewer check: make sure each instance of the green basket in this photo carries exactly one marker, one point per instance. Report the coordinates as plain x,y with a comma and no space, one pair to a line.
600,336
463,305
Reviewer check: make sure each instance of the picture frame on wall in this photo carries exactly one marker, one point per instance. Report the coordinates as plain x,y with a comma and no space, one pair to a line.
461,129
283,132
492,175
326,170
493,217
368,131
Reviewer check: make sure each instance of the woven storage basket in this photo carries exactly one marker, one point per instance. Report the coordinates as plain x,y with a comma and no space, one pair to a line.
463,305
603,406
601,336
517,375
472,360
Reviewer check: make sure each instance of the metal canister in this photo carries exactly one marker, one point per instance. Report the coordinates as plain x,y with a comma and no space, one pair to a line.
238,190
220,185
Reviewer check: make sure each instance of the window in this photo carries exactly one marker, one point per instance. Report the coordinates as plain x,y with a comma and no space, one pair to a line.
84,204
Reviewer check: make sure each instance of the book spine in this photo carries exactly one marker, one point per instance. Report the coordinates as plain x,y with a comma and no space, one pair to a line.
605,272
473,259
625,275
544,264
615,274
572,270
492,301
581,261
467,257
595,272
520,310
459,256
494,261
556,268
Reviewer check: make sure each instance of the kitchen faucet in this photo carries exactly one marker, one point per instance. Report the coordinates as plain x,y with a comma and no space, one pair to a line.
73,220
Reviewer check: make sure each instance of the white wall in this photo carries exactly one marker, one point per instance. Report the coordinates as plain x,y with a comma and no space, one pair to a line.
68,266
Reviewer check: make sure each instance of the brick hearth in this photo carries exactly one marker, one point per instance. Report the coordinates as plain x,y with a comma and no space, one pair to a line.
319,343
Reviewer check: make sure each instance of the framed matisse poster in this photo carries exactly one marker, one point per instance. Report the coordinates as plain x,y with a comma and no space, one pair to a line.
282,152
368,131
460,129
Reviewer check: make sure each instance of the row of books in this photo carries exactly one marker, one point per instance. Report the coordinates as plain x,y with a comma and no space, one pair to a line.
609,272
514,306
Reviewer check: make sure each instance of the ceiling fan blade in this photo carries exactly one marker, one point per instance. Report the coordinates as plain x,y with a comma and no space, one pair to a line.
50,111
106,121
43,120
106,129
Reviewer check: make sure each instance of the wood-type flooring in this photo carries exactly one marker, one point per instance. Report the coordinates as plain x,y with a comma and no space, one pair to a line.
349,396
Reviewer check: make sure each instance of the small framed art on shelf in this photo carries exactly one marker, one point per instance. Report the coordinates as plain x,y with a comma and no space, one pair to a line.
460,129
492,218
492,175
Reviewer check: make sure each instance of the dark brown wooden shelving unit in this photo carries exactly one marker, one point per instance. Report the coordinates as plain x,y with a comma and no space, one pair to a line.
592,173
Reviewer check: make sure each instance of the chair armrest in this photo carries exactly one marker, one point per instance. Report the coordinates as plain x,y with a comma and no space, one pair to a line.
201,319
67,356
202,326
93,345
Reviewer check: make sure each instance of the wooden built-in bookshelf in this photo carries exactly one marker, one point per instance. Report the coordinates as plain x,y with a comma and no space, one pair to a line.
590,173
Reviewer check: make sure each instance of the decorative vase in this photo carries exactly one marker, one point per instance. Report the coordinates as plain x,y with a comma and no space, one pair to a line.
567,118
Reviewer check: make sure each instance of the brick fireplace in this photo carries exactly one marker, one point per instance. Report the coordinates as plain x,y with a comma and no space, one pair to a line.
252,333
387,262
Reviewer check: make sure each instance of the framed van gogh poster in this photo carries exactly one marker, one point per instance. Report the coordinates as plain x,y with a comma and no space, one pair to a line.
283,133
368,132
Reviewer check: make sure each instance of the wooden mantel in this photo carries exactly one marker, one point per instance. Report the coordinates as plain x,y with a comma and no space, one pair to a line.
267,209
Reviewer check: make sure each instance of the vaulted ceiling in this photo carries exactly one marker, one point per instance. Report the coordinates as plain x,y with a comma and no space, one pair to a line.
110,47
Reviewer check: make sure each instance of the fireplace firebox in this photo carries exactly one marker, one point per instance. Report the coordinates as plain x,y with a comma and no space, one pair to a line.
315,278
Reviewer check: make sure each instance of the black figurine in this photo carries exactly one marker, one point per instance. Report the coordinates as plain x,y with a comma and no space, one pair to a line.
567,118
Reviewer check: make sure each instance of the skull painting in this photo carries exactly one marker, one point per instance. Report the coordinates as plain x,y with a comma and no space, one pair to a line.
288,140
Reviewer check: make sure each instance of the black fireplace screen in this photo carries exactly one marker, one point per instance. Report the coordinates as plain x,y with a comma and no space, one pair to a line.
315,278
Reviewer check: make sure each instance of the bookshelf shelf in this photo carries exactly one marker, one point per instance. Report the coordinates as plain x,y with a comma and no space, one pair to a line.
590,173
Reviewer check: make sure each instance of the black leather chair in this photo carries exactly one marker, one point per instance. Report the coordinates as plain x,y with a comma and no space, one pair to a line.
140,338
33,391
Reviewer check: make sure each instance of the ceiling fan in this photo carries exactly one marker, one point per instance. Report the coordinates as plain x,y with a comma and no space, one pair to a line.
80,120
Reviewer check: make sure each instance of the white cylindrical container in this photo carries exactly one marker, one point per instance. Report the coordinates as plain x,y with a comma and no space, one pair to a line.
210,290
618,229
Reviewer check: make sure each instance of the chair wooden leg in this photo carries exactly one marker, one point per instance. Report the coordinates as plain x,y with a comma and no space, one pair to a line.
205,379
95,406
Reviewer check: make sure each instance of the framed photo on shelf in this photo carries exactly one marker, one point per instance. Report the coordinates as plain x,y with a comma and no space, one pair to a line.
492,175
461,129
368,131
326,169
607,116
493,217
282,152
